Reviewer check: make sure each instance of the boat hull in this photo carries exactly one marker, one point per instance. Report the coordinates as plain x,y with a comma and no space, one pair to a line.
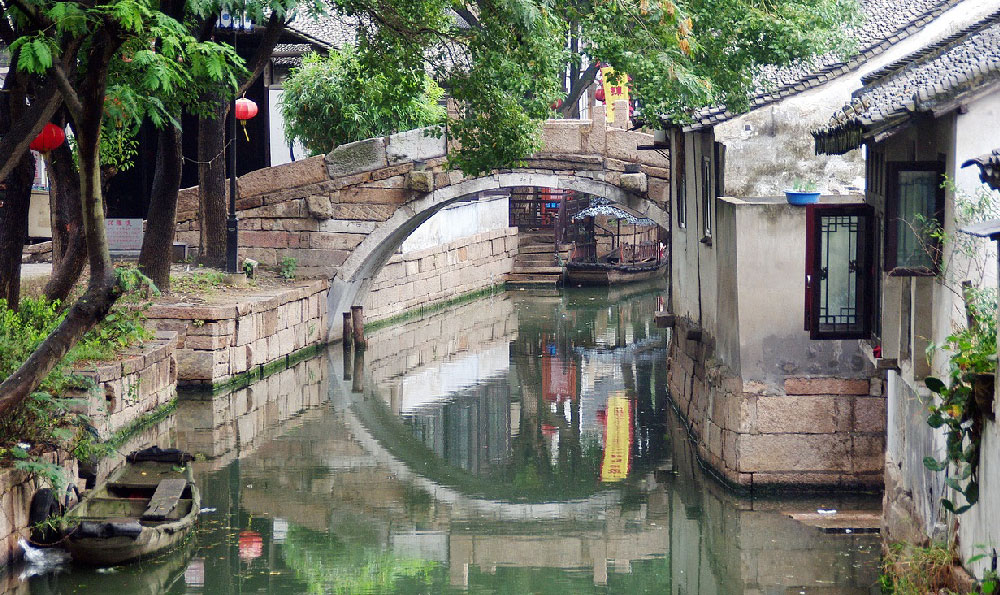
147,508
602,274
112,551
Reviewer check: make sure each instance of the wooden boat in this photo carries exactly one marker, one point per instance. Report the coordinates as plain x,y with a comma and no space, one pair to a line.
601,273
146,508
603,255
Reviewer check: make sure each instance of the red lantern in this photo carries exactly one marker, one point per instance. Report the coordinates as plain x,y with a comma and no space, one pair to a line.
245,109
599,94
49,138
251,545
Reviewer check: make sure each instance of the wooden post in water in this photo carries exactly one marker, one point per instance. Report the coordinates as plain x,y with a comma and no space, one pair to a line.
358,315
347,329
358,382
347,360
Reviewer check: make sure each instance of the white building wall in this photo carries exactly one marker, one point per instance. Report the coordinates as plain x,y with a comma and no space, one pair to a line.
460,220
976,134
767,149
281,150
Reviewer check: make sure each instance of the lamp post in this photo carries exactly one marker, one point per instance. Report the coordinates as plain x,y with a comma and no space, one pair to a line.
242,109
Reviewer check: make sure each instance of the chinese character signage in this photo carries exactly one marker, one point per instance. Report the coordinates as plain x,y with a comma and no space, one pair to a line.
617,440
124,235
614,90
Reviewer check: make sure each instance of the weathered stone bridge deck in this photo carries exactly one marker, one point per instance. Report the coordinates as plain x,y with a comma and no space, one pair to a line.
342,215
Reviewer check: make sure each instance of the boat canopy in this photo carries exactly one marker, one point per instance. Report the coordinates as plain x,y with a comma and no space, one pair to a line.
600,205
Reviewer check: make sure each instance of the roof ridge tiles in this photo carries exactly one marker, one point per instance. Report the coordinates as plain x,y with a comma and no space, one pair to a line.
708,116
929,51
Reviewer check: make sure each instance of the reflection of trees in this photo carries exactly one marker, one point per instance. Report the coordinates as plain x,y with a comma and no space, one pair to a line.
328,563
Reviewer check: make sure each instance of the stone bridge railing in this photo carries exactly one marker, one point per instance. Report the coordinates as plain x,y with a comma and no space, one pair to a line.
342,215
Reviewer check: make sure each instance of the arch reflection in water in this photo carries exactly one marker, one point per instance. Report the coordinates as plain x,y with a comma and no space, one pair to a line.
470,459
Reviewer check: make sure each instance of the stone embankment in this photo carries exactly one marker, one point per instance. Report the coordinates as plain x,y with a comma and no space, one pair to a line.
124,390
218,343
817,432
433,275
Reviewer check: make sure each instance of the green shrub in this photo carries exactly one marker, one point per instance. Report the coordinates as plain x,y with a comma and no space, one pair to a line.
288,267
46,417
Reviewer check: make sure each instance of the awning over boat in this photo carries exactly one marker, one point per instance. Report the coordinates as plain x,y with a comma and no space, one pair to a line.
601,206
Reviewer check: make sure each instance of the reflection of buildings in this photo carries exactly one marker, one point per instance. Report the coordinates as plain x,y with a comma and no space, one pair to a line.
330,484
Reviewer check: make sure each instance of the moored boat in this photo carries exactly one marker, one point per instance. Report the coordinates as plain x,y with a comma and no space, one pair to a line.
146,508
614,245
600,273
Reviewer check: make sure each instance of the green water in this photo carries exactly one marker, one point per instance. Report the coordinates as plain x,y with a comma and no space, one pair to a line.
520,443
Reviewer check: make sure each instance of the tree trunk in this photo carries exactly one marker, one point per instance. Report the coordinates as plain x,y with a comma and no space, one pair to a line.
212,187
213,208
161,221
15,193
22,130
15,196
69,249
102,291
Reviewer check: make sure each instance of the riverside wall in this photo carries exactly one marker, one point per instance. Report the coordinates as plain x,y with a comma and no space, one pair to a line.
411,280
218,343
811,433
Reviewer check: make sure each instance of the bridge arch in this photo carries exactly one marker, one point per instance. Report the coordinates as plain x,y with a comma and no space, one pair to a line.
341,216
352,279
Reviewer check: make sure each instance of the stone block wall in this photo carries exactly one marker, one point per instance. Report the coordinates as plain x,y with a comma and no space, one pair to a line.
225,425
216,343
422,277
816,432
16,491
125,390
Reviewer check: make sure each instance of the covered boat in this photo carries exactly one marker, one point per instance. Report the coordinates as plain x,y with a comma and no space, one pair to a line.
147,507
614,245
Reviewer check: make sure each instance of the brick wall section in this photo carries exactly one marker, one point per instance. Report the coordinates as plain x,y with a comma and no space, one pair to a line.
16,490
128,389
319,209
817,432
440,273
215,343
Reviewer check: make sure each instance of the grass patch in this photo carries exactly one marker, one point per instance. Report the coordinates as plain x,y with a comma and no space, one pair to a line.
434,307
201,280
911,570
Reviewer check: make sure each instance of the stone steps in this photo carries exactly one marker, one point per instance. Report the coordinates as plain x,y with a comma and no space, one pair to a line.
533,280
535,270
536,249
536,258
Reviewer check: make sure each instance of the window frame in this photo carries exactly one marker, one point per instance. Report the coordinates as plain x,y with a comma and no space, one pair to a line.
867,279
707,198
891,246
680,186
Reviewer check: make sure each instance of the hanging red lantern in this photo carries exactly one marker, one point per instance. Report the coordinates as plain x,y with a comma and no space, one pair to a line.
49,138
245,109
251,545
599,94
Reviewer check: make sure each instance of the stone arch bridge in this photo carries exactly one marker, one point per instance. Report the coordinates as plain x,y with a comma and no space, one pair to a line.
343,215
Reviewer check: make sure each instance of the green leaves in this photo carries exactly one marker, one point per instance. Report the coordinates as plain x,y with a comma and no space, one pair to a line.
337,99
34,53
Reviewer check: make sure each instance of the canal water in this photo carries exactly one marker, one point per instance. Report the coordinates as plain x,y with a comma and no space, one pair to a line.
520,443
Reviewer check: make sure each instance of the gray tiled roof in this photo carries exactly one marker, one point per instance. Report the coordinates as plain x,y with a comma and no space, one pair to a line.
330,30
929,80
989,168
886,22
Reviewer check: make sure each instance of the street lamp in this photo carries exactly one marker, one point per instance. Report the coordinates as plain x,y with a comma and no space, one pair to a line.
242,109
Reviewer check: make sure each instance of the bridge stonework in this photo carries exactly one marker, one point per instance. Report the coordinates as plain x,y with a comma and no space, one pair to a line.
343,215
